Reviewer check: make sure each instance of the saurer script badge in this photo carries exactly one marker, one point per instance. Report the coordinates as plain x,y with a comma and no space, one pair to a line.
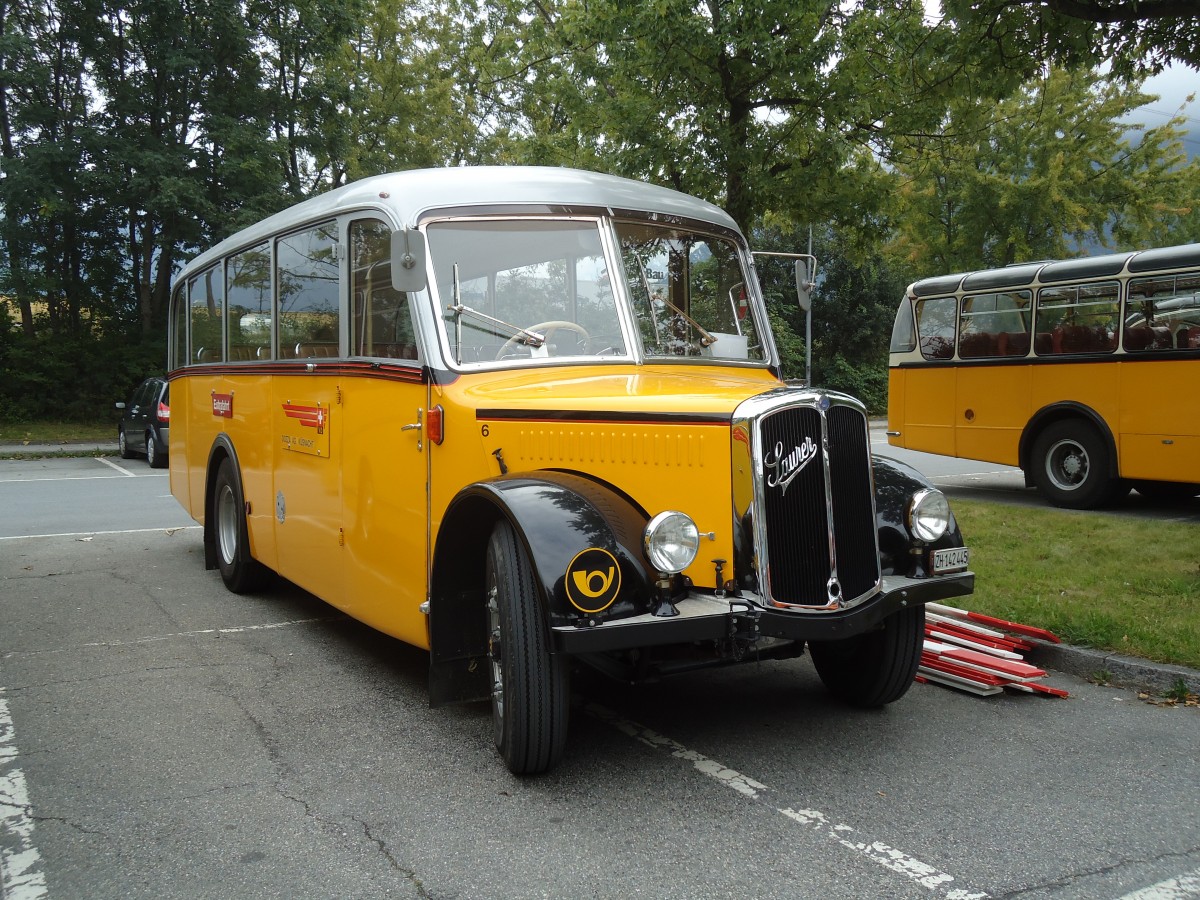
593,580
780,469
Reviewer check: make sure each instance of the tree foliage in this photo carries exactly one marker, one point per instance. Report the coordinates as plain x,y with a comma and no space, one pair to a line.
1133,37
1051,170
135,132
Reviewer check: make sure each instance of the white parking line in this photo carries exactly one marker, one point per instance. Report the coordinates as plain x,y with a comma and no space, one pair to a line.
154,638
939,883
125,473
1184,887
109,462
90,534
21,875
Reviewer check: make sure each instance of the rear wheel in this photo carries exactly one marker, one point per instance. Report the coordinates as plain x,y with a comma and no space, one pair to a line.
1071,464
156,457
874,668
240,571
530,686
123,444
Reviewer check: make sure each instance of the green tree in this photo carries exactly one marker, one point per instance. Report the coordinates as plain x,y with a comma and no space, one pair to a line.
403,105
47,146
1133,37
1041,174
780,105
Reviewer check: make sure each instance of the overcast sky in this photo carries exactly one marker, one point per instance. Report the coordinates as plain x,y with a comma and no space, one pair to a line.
1173,87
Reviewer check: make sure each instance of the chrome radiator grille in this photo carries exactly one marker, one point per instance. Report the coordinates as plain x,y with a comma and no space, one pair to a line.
816,517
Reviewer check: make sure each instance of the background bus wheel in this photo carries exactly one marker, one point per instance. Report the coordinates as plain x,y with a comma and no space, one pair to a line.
530,687
123,445
874,668
1071,465
240,571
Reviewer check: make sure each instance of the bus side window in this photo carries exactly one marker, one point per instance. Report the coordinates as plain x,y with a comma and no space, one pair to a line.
1163,313
308,286
382,319
935,325
207,304
1078,318
248,301
994,325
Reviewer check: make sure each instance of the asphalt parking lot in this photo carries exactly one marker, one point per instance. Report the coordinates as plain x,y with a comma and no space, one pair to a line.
162,737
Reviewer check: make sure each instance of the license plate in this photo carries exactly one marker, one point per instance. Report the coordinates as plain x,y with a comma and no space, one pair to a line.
954,559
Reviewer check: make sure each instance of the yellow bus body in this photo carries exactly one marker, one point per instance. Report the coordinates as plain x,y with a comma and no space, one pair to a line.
348,532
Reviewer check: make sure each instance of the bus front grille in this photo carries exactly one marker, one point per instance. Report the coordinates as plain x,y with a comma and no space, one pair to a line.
818,530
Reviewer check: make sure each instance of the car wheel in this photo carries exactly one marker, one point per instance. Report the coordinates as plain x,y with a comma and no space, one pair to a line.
875,668
154,456
123,445
1071,465
240,571
530,686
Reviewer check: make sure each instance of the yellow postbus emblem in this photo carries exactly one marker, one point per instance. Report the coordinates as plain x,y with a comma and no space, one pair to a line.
593,580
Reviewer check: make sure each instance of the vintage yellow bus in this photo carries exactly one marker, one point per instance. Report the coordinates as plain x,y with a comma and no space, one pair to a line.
527,418
1083,372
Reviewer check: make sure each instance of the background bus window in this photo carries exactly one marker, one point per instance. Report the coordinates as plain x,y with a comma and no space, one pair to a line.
206,300
994,325
1163,313
248,295
382,317
308,280
1078,318
935,326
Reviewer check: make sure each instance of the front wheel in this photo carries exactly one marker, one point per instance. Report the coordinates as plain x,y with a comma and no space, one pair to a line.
530,685
875,668
1071,464
240,571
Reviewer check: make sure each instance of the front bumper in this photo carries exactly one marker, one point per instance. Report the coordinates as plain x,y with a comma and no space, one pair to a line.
703,617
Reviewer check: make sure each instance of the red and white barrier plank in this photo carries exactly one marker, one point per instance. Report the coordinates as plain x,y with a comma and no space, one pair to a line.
980,654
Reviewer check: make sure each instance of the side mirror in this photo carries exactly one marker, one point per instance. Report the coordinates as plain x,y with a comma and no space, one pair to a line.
408,260
803,285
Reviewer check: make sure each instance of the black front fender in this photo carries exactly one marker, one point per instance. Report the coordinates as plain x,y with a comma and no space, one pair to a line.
557,516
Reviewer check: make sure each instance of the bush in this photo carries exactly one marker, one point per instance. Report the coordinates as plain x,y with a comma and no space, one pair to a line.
70,378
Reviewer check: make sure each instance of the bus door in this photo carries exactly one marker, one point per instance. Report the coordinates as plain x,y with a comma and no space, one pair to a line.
993,386
308,432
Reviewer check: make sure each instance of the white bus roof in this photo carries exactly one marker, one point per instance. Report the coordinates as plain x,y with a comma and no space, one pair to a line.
408,195
1050,271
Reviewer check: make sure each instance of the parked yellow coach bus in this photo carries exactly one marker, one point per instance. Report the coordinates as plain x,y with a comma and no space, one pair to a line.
527,418
1083,372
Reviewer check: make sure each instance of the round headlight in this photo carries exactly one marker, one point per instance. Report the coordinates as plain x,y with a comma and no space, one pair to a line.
928,515
672,542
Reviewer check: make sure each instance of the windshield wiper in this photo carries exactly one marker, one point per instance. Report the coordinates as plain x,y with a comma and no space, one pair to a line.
522,335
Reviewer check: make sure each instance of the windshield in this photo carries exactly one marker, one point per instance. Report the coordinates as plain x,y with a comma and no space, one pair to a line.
527,288
540,288
689,293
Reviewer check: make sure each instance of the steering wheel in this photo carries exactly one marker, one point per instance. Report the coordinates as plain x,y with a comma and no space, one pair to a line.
547,330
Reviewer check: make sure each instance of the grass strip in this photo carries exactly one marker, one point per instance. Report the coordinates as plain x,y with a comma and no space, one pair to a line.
1126,585
55,432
